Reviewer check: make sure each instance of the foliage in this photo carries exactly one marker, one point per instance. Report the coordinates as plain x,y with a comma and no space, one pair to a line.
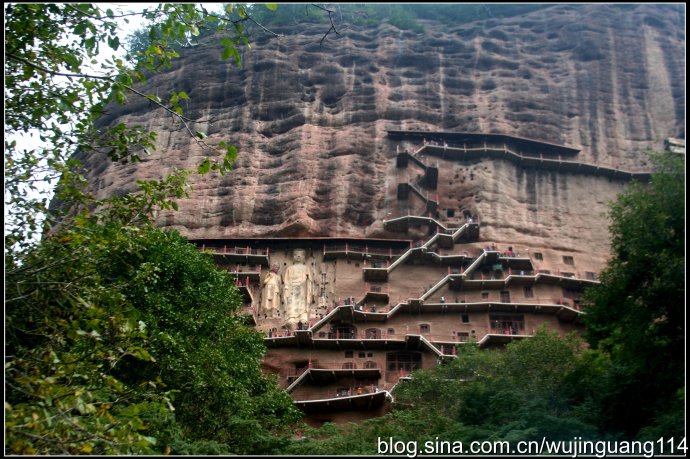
404,16
240,16
627,383
110,326
207,354
520,392
55,88
637,314
120,338
403,19
541,387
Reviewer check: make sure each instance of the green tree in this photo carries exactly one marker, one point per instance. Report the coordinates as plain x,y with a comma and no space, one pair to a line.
545,386
637,313
112,326
55,89
205,352
120,339
628,383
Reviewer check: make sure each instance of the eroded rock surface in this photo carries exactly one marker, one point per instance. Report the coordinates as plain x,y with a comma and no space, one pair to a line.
311,122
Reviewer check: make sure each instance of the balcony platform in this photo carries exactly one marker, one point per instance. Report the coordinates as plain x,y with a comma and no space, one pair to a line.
370,401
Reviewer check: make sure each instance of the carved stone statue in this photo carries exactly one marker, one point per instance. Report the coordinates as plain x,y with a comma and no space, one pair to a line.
298,290
270,294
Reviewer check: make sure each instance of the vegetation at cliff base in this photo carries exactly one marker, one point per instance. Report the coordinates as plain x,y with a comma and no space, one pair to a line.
544,386
120,338
637,314
625,382
125,339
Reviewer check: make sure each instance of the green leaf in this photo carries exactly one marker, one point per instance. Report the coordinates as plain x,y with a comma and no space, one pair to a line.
231,154
72,61
228,52
271,6
149,440
141,354
205,166
114,42
236,53
80,28
90,44
120,97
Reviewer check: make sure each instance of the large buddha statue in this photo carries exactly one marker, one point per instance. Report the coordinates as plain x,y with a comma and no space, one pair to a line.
298,290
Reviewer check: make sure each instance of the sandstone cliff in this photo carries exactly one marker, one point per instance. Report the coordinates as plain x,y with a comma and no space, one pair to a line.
311,122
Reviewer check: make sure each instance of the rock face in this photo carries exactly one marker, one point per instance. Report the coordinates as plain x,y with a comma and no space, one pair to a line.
408,235
311,123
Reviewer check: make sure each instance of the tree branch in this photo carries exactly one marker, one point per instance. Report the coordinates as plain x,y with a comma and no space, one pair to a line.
330,17
101,18
264,28
244,19
56,73
184,120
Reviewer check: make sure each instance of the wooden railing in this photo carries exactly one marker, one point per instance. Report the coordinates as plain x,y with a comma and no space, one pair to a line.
330,392
233,250
363,249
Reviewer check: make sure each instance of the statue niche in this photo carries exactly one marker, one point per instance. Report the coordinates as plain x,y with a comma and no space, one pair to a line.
298,290
270,294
